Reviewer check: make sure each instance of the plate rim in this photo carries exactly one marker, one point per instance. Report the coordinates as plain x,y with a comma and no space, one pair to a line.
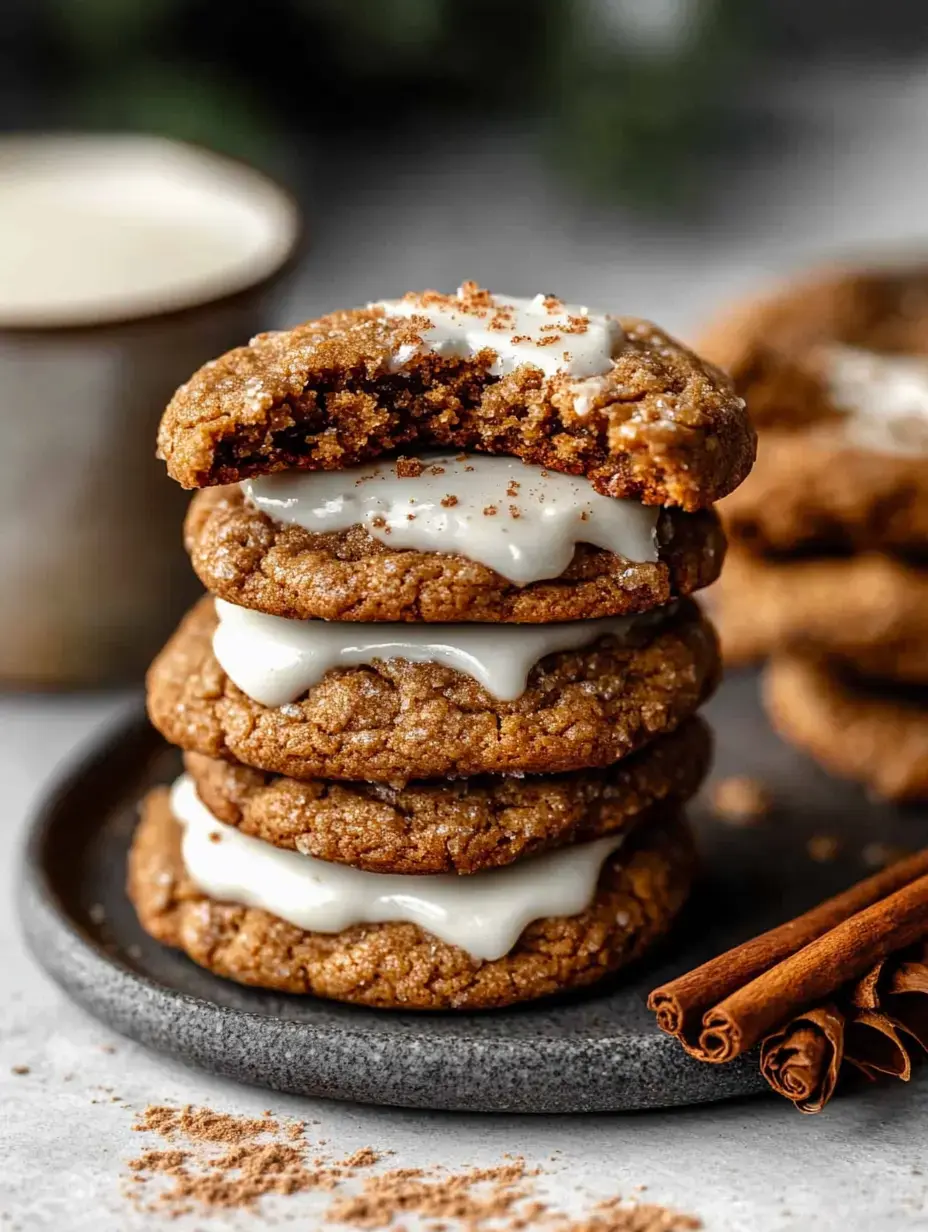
53,935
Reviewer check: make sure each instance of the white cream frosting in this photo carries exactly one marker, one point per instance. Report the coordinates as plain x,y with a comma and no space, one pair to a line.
483,913
543,331
884,397
522,521
274,661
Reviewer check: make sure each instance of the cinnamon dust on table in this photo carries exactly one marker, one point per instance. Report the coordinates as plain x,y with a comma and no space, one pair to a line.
202,1124
212,1162
217,1161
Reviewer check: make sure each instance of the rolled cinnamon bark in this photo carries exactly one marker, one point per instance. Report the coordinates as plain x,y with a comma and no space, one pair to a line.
885,1010
814,972
802,1061
906,996
873,1044
681,1004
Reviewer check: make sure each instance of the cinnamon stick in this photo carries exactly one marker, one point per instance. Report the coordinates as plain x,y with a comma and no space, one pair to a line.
873,1044
906,996
803,1060
814,972
681,1004
883,1011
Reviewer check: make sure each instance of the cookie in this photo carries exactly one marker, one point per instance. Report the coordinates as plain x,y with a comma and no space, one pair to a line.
872,735
614,399
397,965
244,556
815,491
397,720
869,611
772,345
463,826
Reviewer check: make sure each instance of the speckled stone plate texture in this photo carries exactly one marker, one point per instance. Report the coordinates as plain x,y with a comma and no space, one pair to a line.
598,1051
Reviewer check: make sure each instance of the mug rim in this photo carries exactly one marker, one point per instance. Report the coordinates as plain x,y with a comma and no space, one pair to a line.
294,247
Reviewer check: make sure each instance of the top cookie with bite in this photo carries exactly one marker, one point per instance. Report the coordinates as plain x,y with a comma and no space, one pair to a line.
611,398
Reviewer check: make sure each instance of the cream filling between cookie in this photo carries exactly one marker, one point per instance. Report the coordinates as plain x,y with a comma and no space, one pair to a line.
522,521
484,913
545,332
274,660
883,397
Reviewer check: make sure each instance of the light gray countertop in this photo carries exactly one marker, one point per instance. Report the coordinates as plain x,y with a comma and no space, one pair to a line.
429,214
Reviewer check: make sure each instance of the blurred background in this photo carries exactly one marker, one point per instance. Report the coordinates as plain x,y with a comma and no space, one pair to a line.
653,157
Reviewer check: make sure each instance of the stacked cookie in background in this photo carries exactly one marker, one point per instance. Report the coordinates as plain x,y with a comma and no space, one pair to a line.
439,710
828,567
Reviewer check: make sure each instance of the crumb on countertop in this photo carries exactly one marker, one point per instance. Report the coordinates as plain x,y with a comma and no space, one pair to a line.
741,800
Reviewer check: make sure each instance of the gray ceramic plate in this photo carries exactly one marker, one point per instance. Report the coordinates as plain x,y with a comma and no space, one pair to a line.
596,1052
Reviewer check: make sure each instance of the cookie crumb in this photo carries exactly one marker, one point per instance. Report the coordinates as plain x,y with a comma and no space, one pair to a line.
881,855
20,1070
449,501
409,468
741,800
823,848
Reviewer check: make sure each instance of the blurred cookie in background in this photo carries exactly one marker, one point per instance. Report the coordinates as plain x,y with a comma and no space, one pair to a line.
828,569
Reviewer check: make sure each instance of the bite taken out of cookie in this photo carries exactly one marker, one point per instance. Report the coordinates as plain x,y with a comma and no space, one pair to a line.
611,398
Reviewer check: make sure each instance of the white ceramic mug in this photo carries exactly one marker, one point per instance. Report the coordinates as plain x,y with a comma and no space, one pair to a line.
125,263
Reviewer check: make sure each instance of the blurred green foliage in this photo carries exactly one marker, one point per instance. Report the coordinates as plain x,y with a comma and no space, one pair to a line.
635,95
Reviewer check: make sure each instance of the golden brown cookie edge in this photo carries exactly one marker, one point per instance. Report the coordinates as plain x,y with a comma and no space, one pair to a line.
244,557
581,709
463,826
667,427
397,965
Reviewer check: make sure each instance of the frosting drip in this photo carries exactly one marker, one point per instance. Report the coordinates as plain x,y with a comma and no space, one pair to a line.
551,335
522,521
274,661
884,398
484,913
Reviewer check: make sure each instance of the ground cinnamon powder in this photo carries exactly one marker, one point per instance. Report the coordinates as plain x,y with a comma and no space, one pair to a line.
215,1161
472,1198
226,1162
202,1124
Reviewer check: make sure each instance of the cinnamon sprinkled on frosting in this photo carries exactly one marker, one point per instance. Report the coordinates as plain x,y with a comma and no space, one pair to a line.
515,331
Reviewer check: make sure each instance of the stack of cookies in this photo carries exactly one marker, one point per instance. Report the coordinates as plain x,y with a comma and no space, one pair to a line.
828,571
438,711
